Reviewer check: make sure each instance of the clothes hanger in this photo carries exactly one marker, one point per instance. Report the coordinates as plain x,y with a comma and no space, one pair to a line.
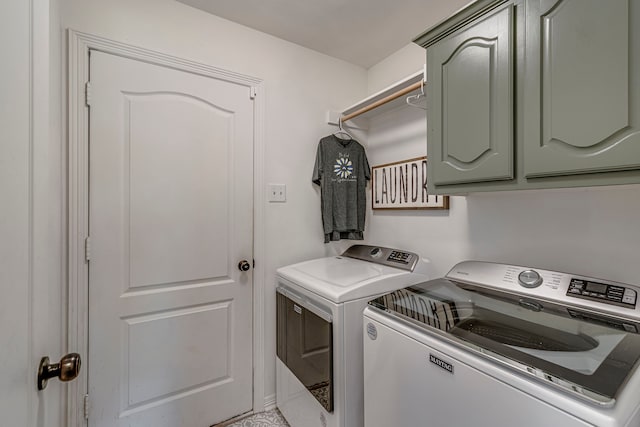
341,133
413,100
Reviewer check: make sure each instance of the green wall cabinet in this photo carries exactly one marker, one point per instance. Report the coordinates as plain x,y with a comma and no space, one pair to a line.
581,94
534,94
474,73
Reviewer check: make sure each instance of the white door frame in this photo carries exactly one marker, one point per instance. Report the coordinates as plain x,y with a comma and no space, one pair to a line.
79,45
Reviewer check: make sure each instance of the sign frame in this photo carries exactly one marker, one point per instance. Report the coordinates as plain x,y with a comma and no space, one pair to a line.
409,179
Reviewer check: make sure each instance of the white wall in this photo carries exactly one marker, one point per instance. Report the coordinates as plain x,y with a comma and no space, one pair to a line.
300,86
591,231
394,68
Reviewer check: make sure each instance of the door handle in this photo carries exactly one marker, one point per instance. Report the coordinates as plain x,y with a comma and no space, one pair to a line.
66,370
244,265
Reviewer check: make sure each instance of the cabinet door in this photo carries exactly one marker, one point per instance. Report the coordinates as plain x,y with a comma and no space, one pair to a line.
470,102
582,87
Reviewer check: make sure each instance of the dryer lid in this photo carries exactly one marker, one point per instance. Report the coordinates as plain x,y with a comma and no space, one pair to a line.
342,278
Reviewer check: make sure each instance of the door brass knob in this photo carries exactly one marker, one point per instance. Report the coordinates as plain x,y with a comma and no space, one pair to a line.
67,370
244,265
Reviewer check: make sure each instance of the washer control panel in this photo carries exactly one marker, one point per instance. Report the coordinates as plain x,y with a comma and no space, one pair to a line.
612,298
602,292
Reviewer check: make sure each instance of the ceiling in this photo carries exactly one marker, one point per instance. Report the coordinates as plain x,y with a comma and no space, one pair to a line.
362,32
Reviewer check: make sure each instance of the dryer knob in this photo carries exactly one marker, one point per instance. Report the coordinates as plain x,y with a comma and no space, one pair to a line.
530,279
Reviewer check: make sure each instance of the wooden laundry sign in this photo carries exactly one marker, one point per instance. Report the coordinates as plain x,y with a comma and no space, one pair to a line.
403,185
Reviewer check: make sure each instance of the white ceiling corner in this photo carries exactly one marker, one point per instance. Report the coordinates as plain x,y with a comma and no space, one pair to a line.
362,32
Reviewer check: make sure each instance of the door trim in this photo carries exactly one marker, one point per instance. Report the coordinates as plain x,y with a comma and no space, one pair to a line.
79,45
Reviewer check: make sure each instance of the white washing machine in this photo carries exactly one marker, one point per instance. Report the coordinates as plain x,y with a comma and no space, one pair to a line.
319,375
501,345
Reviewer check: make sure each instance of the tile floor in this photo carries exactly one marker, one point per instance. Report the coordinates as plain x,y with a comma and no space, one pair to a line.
271,418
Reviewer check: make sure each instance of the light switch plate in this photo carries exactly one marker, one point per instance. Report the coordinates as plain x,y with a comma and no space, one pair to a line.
277,193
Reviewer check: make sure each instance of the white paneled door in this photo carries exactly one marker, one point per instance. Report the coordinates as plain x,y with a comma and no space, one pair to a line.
170,219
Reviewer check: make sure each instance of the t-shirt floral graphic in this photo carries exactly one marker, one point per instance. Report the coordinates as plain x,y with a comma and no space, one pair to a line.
343,167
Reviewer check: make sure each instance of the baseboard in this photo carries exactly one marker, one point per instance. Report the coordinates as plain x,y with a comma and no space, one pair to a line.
270,402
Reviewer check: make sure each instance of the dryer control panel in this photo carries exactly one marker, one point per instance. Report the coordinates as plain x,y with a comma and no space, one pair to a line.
386,256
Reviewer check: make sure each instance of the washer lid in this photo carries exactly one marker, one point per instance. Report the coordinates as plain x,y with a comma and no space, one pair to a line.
585,353
341,279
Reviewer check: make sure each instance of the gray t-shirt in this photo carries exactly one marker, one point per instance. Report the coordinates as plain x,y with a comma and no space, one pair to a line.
342,171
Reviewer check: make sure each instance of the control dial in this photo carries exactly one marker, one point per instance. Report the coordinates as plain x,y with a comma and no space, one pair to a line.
530,279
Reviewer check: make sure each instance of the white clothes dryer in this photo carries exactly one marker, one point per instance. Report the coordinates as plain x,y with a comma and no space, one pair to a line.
319,374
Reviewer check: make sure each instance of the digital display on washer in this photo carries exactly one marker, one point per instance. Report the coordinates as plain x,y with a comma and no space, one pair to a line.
596,287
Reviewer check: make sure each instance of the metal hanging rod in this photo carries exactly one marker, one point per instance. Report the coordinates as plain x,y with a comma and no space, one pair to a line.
389,98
